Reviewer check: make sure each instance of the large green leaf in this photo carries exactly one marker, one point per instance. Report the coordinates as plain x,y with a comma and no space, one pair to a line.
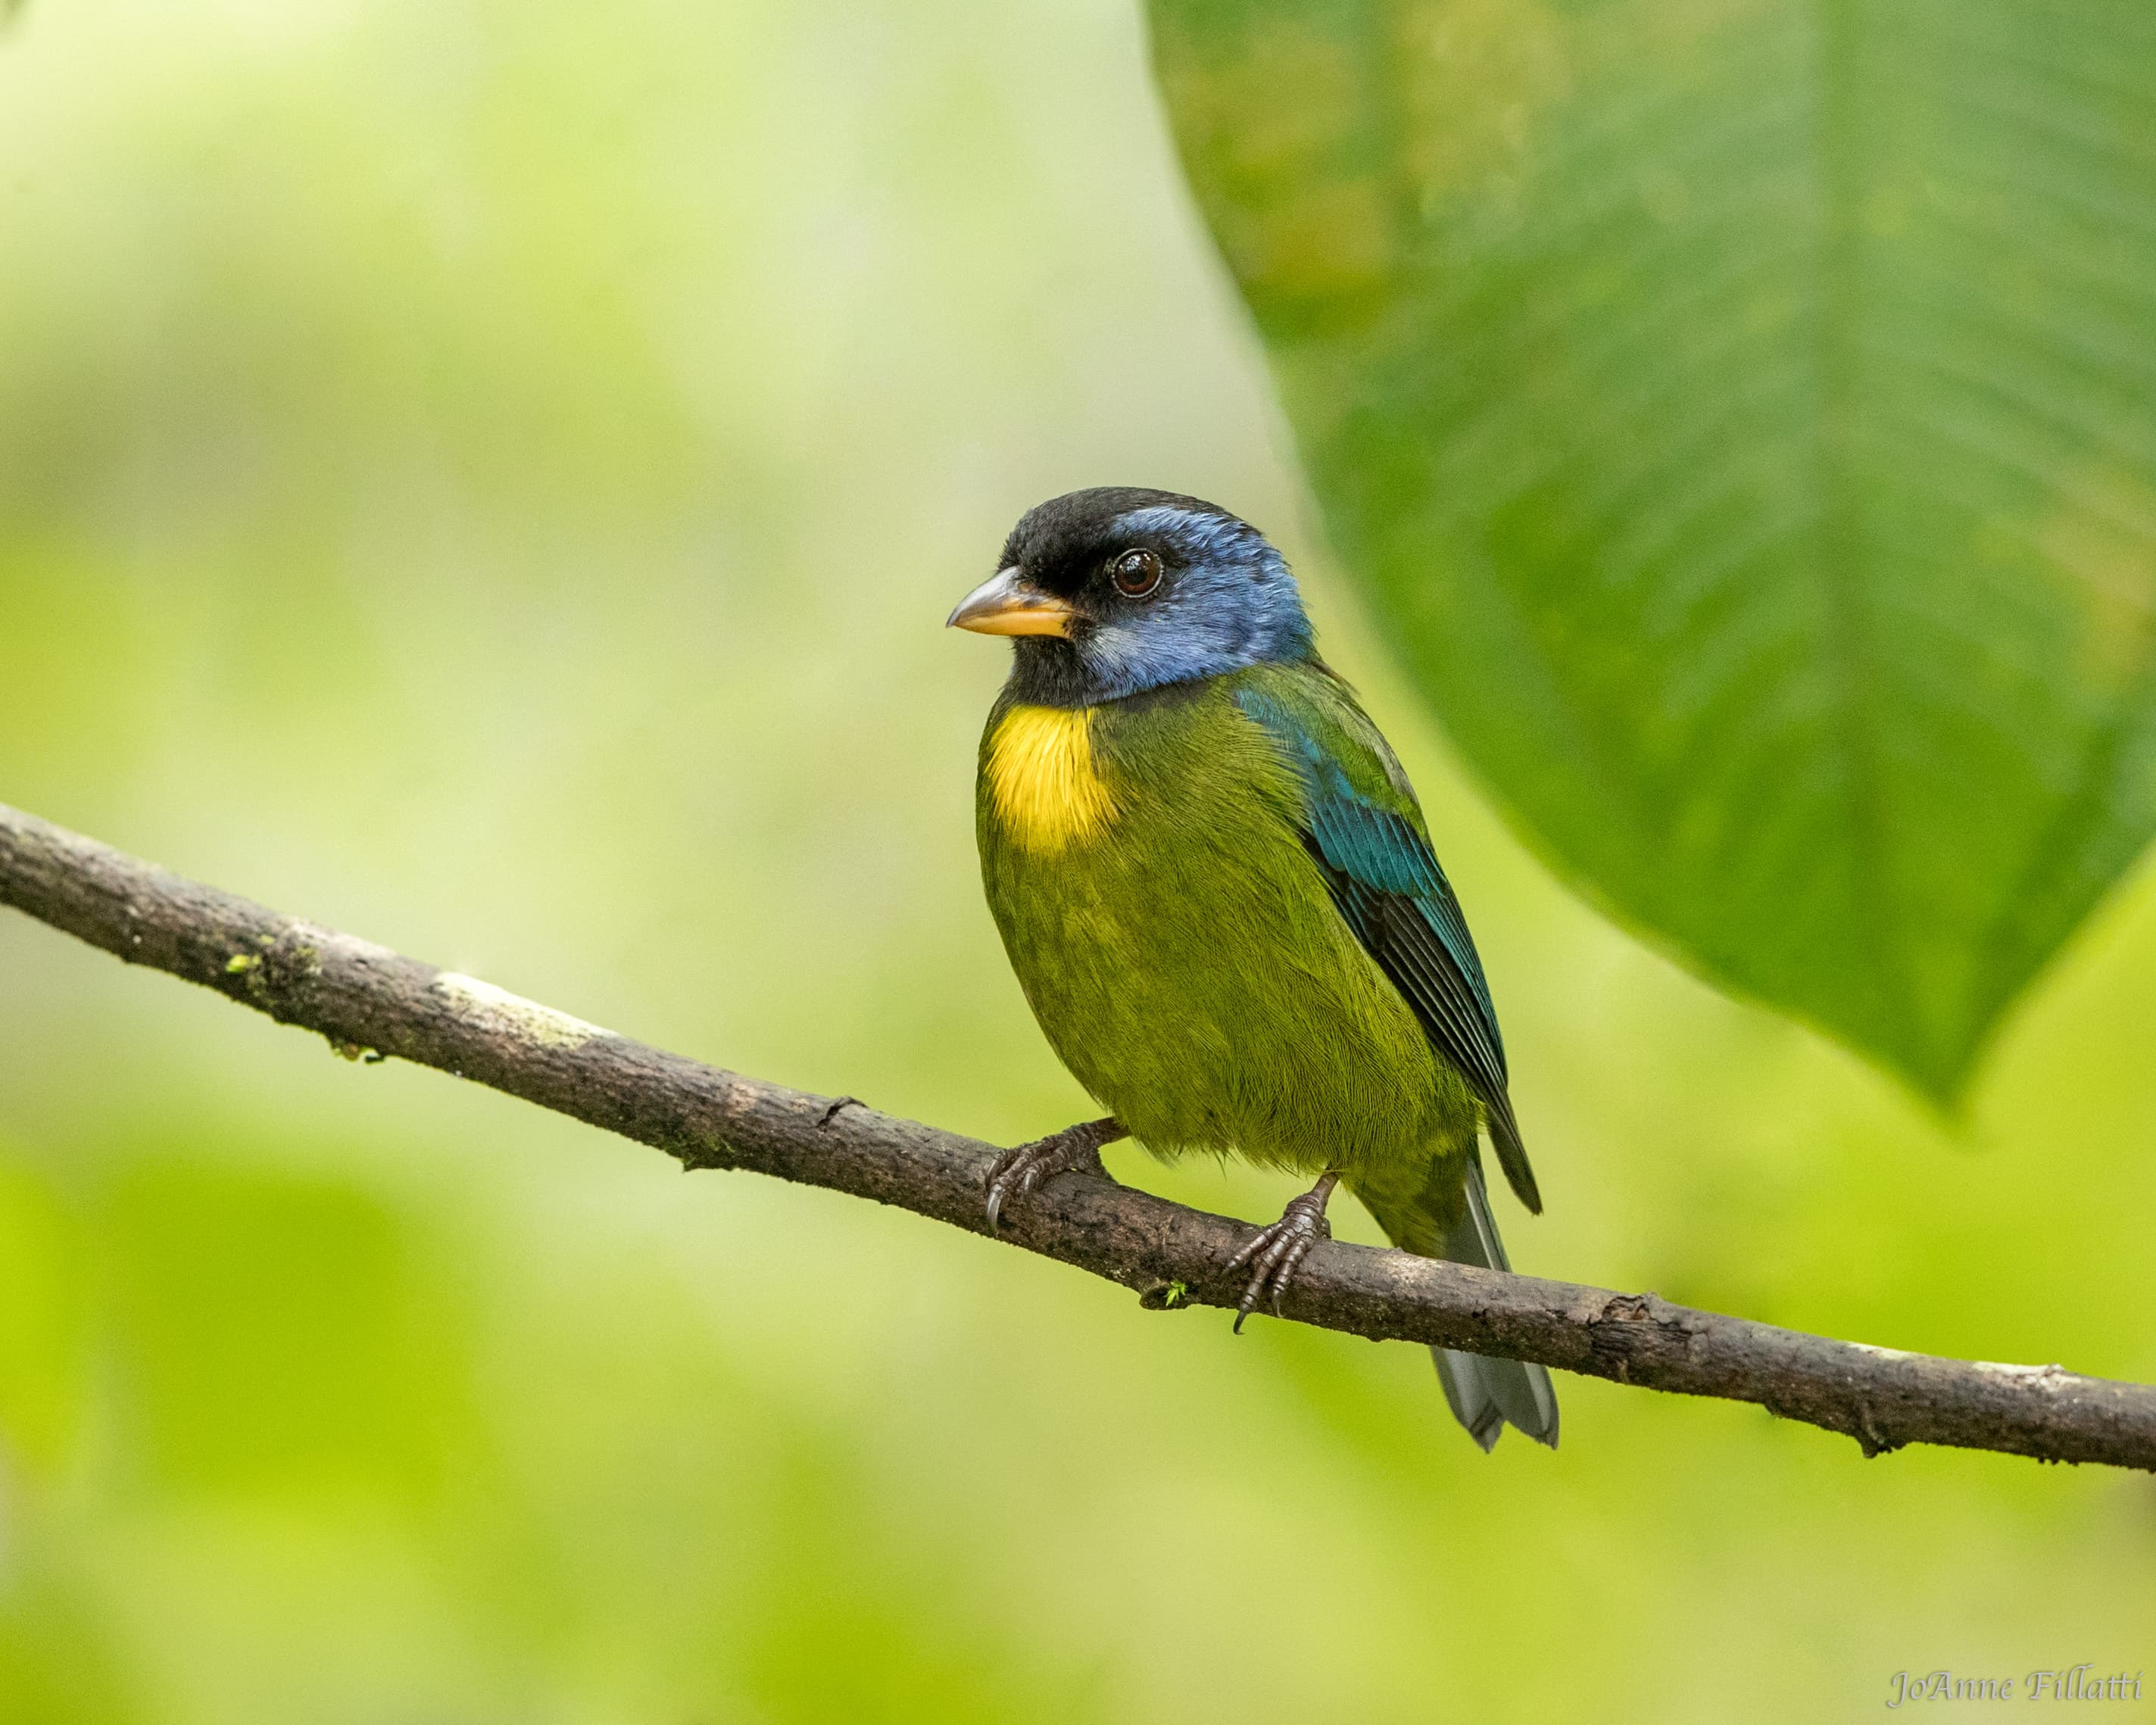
1743,416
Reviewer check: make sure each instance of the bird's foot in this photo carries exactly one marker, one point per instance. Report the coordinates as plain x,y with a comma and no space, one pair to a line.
1017,1172
1274,1254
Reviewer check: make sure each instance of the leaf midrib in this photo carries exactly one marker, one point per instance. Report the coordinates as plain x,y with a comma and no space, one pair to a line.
1841,567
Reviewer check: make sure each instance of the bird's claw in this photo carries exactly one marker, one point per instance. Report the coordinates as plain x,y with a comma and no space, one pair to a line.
1023,1168
1274,1254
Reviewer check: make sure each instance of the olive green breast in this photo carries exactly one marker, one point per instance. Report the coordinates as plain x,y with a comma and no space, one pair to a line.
1143,862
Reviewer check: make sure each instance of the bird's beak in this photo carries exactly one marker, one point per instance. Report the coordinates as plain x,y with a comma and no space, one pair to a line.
1009,604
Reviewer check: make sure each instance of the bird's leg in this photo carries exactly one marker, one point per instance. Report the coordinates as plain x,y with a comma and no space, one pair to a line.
1274,1253
1018,1170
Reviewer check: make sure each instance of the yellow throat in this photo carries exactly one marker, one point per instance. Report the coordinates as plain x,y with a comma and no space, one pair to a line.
1042,780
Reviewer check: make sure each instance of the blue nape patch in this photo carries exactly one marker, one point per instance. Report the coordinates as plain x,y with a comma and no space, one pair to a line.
1232,603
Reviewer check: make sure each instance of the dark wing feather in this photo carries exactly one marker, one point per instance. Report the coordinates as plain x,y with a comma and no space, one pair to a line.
1386,882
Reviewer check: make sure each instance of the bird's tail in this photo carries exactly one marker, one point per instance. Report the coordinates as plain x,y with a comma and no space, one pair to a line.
1484,1394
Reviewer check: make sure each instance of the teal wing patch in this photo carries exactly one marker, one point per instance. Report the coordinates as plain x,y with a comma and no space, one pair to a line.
1386,881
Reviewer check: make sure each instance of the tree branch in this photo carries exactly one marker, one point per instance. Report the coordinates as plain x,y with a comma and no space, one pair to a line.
373,1003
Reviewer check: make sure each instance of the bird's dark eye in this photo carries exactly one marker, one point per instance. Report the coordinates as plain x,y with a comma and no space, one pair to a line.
1136,574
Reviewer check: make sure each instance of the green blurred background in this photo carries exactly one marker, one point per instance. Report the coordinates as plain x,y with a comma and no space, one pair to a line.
491,477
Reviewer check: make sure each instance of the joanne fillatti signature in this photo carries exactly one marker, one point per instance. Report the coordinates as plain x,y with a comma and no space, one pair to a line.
2075,1683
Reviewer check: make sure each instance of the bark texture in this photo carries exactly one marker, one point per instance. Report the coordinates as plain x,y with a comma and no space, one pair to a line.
372,1003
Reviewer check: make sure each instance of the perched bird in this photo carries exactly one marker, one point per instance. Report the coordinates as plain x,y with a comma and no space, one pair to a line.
1218,891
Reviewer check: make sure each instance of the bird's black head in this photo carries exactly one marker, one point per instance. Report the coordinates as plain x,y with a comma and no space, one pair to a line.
1116,590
